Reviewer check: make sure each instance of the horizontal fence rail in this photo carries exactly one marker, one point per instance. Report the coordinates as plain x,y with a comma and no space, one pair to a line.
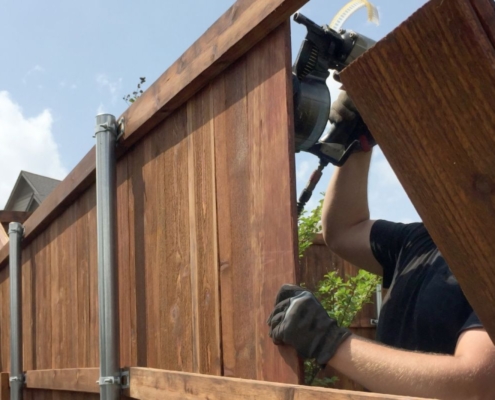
154,384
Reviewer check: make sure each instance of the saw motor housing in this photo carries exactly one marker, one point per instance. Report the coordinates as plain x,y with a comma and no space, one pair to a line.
322,50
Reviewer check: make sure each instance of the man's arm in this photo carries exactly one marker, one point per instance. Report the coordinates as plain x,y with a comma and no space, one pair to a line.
468,374
345,214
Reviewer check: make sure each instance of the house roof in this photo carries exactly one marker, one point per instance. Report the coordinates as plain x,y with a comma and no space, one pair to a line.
41,185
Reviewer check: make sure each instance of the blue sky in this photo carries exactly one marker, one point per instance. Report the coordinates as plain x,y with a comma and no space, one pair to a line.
65,61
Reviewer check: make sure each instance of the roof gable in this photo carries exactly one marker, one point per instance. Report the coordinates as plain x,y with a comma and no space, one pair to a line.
41,187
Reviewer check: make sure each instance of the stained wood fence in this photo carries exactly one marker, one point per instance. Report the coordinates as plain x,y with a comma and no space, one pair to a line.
206,220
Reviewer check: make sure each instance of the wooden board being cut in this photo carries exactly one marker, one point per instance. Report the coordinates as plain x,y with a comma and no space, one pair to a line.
427,94
149,384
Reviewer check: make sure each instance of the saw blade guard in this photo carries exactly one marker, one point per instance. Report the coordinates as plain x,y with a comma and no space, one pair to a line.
311,109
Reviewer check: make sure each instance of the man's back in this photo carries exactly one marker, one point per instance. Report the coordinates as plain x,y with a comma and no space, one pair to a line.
425,309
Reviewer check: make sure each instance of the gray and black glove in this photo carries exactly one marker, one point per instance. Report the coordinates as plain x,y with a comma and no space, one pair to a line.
300,321
344,112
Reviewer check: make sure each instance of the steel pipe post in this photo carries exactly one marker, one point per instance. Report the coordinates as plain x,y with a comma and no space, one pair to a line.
106,139
16,232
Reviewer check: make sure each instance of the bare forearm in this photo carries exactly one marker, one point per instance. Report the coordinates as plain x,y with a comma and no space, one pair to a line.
386,370
346,199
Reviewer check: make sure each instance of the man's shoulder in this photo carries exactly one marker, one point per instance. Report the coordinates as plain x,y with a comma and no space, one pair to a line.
402,232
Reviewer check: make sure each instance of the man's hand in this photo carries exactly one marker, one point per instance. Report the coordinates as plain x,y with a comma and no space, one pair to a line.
343,109
345,214
299,320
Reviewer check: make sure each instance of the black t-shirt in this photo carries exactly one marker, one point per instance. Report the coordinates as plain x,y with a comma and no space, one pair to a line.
424,309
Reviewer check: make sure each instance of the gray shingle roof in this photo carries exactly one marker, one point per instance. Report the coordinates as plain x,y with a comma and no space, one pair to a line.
41,185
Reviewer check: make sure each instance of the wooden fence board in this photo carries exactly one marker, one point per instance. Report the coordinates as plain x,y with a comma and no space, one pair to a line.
28,317
5,315
4,386
229,93
175,307
82,265
57,294
137,197
74,380
71,267
42,295
94,345
149,384
203,235
430,105
123,263
150,242
250,157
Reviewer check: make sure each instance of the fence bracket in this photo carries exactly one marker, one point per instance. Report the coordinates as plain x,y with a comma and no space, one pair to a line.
19,378
122,380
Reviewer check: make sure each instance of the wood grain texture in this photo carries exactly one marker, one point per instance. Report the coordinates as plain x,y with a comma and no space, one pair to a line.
42,296
28,317
486,15
203,235
123,263
174,249
238,30
74,380
83,237
256,219
426,92
149,384
4,386
5,318
94,355
170,241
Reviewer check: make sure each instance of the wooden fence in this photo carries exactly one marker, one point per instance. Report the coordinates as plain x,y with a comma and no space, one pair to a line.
206,222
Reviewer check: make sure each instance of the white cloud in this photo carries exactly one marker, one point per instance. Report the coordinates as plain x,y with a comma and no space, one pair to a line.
112,86
25,144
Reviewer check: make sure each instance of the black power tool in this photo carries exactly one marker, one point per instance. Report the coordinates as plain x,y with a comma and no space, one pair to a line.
322,50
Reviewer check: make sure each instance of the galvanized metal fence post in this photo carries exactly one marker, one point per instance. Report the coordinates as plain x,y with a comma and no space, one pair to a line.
16,232
106,139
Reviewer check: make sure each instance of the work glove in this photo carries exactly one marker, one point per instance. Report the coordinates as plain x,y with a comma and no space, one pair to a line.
343,110
299,320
